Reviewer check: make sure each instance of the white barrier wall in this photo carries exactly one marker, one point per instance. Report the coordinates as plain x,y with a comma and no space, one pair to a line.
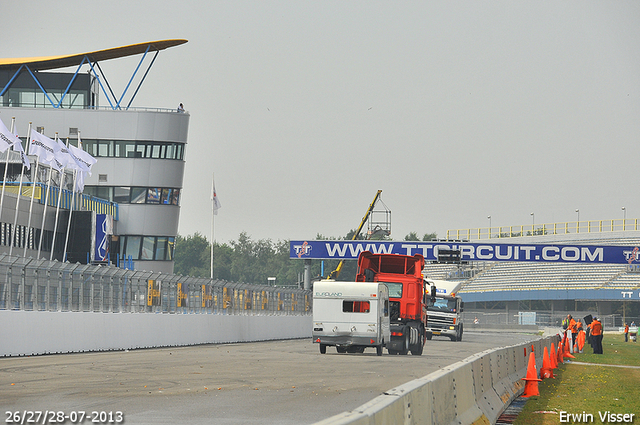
41,332
473,391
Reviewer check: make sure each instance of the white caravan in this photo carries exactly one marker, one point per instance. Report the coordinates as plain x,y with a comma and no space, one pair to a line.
350,315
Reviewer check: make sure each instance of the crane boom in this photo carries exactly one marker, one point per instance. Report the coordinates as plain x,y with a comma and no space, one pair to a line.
334,274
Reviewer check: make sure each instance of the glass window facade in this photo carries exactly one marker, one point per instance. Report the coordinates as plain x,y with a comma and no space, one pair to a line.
135,195
151,248
133,149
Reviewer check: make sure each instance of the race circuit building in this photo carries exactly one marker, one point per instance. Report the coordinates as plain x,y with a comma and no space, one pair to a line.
136,184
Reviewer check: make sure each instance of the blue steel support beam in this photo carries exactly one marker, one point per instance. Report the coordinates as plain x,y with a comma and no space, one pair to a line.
101,86
143,78
134,74
66,91
41,88
11,80
113,95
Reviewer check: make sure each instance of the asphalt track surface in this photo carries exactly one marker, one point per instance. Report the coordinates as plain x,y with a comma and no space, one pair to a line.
275,382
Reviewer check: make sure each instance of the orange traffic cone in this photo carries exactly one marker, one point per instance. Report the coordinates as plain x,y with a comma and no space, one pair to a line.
553,356
582,336
546,370
566,350
560,356
531,385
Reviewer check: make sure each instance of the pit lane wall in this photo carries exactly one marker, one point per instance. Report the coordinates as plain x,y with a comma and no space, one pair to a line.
473,391
26,333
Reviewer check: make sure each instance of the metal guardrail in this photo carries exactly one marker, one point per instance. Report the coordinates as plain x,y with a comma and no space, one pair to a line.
562,228
42,285
81,201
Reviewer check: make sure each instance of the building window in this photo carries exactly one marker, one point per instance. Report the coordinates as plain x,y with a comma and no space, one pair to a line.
121,194
135,195
148,248
138,195
133,149
153,195
165,198
124,149
161,249
175,199
132,247
170,247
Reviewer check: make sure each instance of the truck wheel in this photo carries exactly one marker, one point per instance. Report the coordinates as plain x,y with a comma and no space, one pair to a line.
417,350
405,348
323,349
340,349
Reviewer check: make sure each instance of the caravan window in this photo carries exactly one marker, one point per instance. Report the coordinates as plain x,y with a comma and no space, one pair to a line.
355,306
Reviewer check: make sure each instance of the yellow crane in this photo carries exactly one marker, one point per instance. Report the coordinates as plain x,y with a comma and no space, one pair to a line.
334,274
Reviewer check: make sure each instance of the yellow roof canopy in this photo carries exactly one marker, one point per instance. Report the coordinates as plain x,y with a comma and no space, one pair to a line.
64,61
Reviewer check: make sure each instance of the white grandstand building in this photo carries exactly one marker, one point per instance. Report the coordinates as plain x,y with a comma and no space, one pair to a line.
512,292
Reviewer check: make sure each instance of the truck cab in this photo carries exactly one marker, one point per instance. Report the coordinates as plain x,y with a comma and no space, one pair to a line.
402,274
445,311
350,316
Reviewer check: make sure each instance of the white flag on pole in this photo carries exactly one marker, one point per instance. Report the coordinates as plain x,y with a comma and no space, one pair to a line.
6,138
46,150
64,156
80,181
18,148
214,197
83,159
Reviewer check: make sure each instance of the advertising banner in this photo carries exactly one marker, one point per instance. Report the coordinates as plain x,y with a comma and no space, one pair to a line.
470,251
104,230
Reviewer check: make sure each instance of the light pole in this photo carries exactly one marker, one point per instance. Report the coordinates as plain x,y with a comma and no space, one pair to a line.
533,223
489,217
624,217
578,223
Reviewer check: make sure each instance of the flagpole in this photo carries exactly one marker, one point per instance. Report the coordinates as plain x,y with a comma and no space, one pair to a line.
6,166
55,224
15,217
34,176
212,221
73,192
44,211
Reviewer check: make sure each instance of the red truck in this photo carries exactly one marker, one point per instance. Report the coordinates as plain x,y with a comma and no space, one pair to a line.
407,297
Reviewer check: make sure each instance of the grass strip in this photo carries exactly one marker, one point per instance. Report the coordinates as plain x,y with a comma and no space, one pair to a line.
585,390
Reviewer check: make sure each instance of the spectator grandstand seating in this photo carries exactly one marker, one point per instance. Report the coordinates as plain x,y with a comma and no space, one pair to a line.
513,276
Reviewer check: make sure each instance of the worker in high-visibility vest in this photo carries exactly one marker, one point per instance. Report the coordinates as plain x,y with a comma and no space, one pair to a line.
573,326
626,333
596,335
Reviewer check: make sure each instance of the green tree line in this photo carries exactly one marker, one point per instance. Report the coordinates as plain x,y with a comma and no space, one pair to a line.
254,261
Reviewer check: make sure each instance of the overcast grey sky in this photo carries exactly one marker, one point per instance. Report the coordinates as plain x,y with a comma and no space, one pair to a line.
303,109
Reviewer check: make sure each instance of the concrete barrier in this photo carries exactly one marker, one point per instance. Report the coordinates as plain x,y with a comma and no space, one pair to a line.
475,391
41,332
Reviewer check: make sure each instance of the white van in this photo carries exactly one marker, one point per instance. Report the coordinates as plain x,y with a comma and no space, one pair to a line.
350,315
